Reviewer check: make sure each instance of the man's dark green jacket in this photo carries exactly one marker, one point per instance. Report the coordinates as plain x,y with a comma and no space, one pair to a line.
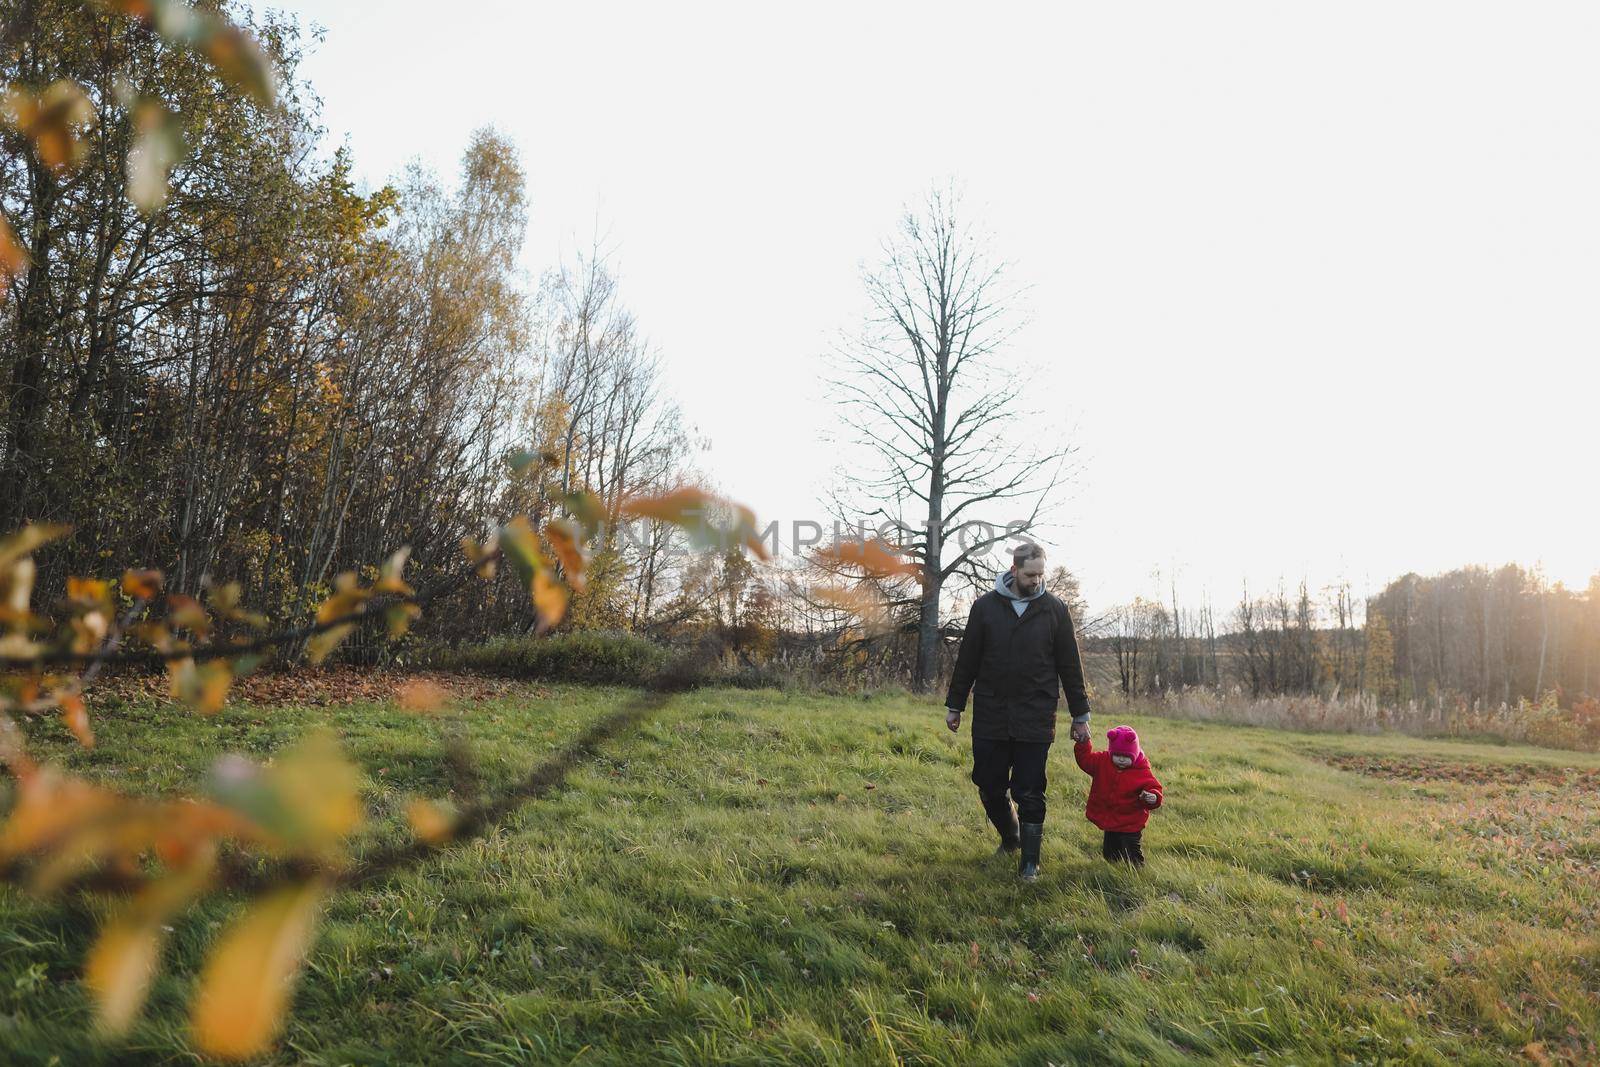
1016,668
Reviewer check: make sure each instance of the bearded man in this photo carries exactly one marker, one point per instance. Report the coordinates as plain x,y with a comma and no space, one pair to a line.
1019,652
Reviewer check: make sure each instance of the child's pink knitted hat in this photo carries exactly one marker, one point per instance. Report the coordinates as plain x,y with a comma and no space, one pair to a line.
1122,741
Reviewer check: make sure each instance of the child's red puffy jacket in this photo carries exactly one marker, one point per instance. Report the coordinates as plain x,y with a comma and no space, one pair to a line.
1114,802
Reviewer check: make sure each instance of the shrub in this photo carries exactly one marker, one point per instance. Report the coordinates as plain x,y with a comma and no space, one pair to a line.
597,657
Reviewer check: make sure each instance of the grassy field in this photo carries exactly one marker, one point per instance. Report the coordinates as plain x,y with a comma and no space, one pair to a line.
758,877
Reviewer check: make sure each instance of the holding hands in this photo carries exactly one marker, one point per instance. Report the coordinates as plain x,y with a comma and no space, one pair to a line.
952,719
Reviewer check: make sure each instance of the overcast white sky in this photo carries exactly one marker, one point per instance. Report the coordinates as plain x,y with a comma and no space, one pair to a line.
1313,286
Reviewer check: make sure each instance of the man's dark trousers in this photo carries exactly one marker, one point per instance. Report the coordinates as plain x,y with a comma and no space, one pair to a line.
1015,765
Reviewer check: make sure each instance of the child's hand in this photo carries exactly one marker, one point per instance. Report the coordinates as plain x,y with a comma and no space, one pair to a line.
1148,797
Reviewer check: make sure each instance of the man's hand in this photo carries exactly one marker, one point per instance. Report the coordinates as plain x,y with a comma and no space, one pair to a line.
1148,797
952,719
1080,731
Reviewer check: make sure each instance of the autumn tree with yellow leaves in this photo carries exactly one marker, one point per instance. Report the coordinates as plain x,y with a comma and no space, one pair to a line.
221,360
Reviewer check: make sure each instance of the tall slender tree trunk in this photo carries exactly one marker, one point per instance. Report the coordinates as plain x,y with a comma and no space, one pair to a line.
1544,642
27,371
932,585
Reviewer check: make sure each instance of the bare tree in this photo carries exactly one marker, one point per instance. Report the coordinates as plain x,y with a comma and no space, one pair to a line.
1131,629
1064,585
924,391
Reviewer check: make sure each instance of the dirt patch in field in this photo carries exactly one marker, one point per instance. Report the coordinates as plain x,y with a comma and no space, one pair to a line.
319,687
1527,820
1425,769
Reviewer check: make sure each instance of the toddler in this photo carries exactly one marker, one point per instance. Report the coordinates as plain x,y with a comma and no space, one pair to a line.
1123,794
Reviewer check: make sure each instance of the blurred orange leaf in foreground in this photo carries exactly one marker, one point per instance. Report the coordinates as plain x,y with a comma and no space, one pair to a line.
432,822
233,53
421,695
118,972
246,982
125,955
54,120
76,714
693,511
549,598
13,260
875,557
567,541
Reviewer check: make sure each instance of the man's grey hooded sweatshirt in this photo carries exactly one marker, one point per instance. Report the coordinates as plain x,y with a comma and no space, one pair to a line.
1005,585
1017,656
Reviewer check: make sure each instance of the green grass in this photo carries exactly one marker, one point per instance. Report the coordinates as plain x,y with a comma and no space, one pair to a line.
724,887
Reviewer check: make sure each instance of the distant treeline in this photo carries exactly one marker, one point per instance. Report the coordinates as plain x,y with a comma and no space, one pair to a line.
1472,636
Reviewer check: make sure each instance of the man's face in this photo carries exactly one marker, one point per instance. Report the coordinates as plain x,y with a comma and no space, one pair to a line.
1028,577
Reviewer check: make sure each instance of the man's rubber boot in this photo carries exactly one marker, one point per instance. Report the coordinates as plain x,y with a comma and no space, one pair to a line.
1032,839
1004,818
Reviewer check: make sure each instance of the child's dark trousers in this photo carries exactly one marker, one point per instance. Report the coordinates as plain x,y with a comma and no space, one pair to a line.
1122,847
